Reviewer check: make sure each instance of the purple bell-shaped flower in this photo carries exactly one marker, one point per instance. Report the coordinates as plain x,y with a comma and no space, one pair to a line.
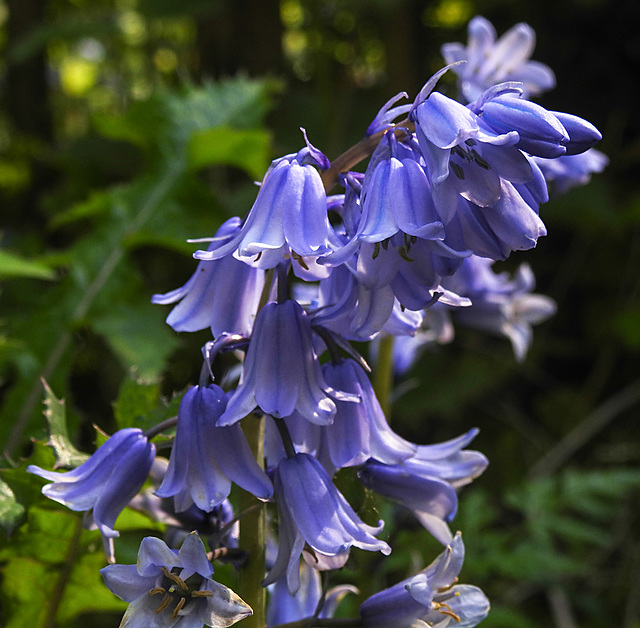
205,459
312,510
281,372
106,482
222,294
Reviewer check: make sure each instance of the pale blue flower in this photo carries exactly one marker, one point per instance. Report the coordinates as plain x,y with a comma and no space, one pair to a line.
171,589
572,170
489,60
431,597
500,304
104,484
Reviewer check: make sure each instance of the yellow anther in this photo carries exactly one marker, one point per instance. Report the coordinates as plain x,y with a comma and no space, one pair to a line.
157,590
179,605
166,600
448,587
440,605
451,614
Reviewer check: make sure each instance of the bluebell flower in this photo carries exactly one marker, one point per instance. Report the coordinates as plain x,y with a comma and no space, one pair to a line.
282,607
540,132
489,60
464,156
360,430
433,501
396,195
104,484
173,589
500,304
289,216
572,170
312,510
205,459
222,294
431,597
425,482
281,372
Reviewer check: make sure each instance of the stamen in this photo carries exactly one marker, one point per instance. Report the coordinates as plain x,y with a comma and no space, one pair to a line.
376,250
179,605
204,593
176,578
404,254
299,259
451,614
457,170
449,586
440,605
166,600
479,160
157,590
470,142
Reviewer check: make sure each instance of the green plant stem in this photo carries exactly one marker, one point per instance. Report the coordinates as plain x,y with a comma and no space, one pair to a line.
383,374
252,535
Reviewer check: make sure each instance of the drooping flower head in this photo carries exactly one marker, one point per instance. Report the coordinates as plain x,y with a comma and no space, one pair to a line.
312,510
173,589
289,215
205,459
425,482
223,294
106,482
281,372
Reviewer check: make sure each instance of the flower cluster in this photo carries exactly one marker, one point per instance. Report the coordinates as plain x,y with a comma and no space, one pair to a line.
327,256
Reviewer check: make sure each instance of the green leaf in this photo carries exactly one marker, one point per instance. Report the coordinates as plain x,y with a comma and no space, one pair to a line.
52,572
12,266
140,404
138,335
55,413
136,399
25,486
11,512
247,149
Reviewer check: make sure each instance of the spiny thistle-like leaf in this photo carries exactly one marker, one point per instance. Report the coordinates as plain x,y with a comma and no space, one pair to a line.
55,413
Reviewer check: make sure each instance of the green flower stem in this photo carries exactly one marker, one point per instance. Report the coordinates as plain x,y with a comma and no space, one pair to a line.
252,535
383,374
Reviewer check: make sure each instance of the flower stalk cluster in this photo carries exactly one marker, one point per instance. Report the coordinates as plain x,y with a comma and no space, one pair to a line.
327,256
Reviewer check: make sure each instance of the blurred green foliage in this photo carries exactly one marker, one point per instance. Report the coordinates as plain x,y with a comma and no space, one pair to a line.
128,126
